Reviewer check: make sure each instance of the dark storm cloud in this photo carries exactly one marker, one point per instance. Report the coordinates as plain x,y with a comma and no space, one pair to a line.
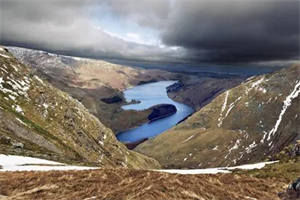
215,31
235,31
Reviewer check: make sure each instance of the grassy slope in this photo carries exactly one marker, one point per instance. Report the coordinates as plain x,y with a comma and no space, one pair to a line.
89,80
251,111
51,124
116,184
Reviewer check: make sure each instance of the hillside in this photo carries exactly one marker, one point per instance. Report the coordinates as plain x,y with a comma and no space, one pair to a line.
39,120
117,184
92,82
264,183
95,82
248,123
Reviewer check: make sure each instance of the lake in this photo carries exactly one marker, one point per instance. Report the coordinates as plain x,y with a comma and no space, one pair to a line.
149,95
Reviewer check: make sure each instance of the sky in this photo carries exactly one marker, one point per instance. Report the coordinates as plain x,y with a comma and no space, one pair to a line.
231,32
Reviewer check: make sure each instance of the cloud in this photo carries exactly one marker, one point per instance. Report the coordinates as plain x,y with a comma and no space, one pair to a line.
235,31
66,26
216,31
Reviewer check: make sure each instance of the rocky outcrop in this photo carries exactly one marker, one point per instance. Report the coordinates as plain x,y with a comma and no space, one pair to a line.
292,192
161,111
39,120
248,123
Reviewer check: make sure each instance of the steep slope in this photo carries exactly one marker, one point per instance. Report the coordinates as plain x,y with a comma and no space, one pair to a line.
208,88
245,124
90,81
39,120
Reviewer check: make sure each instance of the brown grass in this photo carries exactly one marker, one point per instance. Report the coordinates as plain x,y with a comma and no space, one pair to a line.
118,184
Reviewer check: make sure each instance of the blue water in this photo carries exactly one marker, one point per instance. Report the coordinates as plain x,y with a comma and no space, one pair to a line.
149,95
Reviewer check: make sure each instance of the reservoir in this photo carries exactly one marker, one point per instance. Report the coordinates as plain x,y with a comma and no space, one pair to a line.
149,95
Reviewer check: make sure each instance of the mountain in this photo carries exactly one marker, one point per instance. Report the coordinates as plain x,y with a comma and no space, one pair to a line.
248,123
94,83
99,84
39,120
199,91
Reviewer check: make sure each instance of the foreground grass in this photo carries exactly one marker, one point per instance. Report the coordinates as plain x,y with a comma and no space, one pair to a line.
286,171
117,184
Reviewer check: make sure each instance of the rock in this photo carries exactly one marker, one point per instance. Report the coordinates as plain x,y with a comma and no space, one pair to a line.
161,111
292,192
296,150
5,140
18,145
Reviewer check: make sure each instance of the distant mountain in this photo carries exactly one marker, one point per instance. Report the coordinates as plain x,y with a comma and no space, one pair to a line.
248,123
39,120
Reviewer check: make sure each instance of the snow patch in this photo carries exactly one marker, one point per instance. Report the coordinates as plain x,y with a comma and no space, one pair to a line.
254,85
21,163
250,147
21,122
18,109
223,109
235,146
39,80
189,138
287,102
217,170
5,56
215,148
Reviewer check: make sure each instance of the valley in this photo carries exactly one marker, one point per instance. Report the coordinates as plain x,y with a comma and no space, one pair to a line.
73,110
149,100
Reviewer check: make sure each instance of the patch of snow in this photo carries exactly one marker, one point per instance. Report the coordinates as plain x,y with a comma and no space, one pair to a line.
215,148
235,146
18,109
21,163
189,138
262,90
21,122
223,109
90,198
1,80
254,85
5,56
12,97
15,68
217,170
250,147
231,106
39,80
287,102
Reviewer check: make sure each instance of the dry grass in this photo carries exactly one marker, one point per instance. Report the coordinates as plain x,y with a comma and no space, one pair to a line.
118,184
